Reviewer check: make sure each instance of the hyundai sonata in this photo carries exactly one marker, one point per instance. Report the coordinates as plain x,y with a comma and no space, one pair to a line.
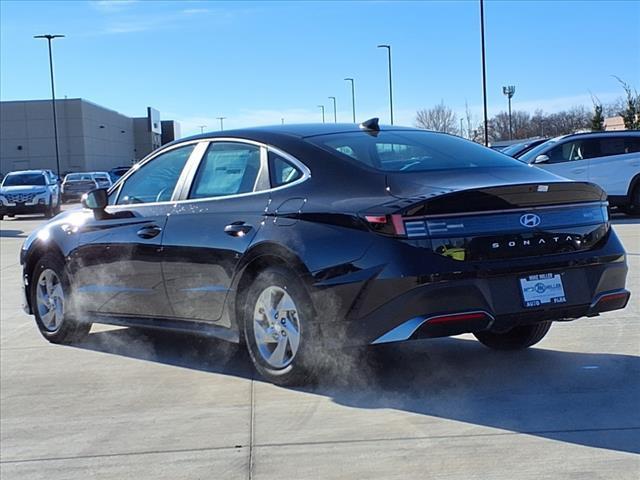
298,239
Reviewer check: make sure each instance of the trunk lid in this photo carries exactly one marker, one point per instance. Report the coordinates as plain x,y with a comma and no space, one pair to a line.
489,215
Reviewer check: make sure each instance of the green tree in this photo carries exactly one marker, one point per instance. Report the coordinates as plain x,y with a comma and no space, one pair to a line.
631,112
597,120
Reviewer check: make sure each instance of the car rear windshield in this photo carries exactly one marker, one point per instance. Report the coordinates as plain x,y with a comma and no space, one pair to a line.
14,180
412,151
78,177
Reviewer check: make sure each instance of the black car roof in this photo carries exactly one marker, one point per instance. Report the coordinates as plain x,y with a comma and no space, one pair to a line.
299,130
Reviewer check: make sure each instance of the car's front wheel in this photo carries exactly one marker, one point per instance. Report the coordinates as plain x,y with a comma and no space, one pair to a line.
517,338
50,299
279,328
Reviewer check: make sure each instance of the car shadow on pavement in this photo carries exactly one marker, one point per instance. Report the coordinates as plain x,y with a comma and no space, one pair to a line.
12,233
587,399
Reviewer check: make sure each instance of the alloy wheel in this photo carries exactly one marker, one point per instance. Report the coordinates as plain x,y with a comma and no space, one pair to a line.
276,327
50,300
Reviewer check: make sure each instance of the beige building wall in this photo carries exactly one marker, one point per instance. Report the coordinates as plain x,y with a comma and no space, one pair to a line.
614,123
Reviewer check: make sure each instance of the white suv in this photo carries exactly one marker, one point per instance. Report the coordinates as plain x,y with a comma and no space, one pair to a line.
608,159
29,191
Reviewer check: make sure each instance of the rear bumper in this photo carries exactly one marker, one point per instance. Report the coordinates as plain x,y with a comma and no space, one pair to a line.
68,195
401,305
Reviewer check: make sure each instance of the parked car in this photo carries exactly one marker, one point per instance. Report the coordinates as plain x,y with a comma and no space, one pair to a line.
117,172
28,192
522,147
102,179
77,184
608,159
298,239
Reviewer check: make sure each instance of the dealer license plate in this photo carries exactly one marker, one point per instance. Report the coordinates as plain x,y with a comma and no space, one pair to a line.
542,289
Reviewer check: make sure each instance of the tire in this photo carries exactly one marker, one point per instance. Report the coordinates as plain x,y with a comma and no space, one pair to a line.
58,208
2,217
517,338
49,212
292,335
633,208
51,293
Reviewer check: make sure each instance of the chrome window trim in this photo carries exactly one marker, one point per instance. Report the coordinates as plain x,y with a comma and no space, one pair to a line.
191,167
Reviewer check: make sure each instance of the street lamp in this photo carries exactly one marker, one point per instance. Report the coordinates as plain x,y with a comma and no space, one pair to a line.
322,108
202,127
484,77
353,98
335,114
53,98
221,122
509,91
388,47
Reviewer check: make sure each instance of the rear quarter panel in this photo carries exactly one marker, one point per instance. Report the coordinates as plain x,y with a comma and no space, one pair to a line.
614,173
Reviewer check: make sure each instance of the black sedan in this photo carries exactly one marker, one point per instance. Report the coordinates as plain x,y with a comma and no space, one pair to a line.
299,239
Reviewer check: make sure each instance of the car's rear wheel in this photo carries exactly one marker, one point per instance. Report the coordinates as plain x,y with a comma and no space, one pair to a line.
517,338
279,327
50,299
633,208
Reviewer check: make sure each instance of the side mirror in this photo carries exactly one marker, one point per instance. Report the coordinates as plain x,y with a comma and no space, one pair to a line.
541,159
97,201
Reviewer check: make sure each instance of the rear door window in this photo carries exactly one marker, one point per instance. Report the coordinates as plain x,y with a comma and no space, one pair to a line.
227,168
614,146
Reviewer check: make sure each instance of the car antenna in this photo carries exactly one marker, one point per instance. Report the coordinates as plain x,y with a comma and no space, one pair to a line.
371,124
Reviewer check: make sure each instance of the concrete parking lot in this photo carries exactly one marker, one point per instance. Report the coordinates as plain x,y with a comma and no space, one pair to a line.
130,404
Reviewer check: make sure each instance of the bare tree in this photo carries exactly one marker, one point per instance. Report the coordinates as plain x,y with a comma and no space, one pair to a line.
470,121
440,118
613,109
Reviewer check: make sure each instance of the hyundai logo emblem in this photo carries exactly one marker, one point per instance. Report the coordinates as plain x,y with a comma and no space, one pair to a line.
530,220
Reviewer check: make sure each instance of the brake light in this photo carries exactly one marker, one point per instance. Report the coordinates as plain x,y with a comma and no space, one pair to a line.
387,224
376,218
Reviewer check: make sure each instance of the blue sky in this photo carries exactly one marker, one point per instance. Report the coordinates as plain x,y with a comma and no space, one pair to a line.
258,62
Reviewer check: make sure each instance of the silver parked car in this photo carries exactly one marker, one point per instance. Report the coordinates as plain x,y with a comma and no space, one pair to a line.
29,191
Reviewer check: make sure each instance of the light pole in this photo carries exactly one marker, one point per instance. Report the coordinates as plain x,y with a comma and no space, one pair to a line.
353,97
221,122
484,77
202,127
388,47
509,91
53,98
335,114
322,108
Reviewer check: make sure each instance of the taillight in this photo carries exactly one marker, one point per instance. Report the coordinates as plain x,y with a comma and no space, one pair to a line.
386,224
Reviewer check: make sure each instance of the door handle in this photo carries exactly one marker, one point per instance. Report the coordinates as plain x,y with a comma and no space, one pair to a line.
149,232
579,170
237,229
